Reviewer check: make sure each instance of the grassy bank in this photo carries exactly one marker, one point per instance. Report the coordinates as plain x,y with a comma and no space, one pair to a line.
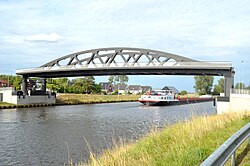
71,99
82,98
190,95
186,143
6,104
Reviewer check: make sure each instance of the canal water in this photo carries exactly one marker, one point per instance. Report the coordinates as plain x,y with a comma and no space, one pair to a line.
55,135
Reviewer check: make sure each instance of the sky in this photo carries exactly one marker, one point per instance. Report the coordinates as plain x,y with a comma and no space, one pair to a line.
34,32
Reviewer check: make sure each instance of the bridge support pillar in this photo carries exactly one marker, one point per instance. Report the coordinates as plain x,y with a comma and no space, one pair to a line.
228,84
24,85
44,85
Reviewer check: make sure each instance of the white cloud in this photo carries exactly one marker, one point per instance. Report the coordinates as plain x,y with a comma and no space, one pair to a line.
14,39
204,30
51,37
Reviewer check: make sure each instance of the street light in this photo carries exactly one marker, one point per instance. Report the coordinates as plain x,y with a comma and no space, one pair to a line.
242,77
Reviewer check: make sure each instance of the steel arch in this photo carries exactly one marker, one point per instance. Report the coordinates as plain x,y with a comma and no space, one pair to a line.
124,56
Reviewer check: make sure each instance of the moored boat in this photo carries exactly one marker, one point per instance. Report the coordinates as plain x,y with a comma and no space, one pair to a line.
168,97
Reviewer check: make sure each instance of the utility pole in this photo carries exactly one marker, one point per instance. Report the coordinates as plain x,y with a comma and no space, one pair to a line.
8,80
242,77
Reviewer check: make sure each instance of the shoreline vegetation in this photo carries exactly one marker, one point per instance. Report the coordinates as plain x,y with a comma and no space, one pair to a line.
93,98
184,143
76,99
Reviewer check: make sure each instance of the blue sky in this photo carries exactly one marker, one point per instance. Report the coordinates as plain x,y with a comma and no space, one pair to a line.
35,32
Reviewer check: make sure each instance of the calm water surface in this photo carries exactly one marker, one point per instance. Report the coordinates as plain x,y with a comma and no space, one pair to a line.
52,135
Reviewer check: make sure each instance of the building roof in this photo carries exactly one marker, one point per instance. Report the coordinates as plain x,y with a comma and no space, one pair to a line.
146,88
105,85
171,88
4,83
121,86
134,87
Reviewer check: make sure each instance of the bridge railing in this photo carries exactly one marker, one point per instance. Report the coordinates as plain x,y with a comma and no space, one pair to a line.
136,64
228,148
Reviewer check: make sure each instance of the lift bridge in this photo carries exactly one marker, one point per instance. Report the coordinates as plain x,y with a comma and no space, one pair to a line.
127,61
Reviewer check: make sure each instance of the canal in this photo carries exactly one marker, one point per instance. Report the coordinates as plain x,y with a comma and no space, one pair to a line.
53,135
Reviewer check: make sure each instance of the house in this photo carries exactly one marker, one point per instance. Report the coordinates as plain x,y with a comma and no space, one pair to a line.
122,88
4,83
107,87
171,88
146,89
134,89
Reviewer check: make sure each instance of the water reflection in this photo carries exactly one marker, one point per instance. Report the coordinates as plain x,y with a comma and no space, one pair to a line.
8,115
51,135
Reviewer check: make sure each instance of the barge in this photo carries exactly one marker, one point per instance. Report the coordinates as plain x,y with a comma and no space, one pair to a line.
168,97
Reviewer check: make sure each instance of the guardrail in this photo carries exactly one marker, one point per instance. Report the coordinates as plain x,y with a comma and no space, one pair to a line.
228,148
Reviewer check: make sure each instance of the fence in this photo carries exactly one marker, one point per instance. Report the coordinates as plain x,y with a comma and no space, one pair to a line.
6,88
228,148
240,91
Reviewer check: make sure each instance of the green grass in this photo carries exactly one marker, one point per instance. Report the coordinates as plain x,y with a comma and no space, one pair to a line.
6,104
187,143
193,95
83,98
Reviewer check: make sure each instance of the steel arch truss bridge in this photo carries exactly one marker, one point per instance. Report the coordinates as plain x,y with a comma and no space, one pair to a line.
129,61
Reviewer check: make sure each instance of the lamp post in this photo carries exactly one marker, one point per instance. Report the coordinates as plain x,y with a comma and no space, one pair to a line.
8,81
242,77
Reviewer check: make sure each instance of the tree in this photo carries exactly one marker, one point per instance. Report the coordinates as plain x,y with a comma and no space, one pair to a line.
17,82
239,85
220,87
183,92
14,81
59,85
203,84
89,84
118,79
84,85
111,79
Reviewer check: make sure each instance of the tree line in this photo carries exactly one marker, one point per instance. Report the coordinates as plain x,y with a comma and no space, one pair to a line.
14,81
83,85
203,84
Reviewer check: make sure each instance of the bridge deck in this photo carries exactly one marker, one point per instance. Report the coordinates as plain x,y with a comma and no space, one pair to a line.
67,71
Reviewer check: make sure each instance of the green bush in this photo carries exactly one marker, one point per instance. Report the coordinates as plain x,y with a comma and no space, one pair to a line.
183,92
